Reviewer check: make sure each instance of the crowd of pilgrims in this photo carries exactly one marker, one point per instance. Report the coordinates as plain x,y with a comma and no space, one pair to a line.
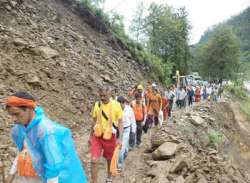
152,107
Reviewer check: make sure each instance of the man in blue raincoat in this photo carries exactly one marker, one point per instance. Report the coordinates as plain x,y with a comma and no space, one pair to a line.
49,145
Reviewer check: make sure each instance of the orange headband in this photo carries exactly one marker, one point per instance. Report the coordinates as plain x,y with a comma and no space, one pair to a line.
13,101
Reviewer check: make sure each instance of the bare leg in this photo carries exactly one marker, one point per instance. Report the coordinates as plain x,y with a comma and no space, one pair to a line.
94,171
108,166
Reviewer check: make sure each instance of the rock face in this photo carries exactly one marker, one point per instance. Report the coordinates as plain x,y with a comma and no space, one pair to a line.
52,51
182,151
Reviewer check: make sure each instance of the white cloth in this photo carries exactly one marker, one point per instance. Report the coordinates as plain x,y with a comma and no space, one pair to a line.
209,90
129,118
53,180
182,94
160,117
13,168
166,93
170,95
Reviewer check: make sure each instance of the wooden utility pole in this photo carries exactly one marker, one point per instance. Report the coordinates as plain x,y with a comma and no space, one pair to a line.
177,77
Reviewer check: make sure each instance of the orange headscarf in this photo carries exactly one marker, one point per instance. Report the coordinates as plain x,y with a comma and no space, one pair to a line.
14,101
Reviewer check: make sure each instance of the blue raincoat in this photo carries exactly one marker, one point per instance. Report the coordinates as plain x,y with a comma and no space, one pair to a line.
51,148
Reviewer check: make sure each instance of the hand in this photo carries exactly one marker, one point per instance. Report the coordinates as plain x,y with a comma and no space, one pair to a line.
53,180
89,141
119,143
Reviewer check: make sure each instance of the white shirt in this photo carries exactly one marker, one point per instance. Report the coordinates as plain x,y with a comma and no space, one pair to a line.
171,95
129,118
160,118
209,90
182,94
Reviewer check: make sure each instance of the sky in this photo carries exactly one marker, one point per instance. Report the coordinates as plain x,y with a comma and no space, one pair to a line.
202,13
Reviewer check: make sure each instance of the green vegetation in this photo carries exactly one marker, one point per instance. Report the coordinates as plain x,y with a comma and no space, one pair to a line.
224,52
245,69
160,39
240,93
240,26
164,31
215,139
219,57
245,107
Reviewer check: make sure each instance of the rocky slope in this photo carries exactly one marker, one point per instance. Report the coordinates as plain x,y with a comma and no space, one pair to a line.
208,143
188,150
59,52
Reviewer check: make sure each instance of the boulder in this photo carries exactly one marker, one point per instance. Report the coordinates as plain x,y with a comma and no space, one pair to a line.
159,168
20,42
13,3
180,179
34,80
107,78
178,165
165,151
197,120
191,178
202,180
225,179
46,52
8,7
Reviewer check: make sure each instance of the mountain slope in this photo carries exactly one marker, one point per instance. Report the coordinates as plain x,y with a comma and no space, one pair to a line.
59,52
241,27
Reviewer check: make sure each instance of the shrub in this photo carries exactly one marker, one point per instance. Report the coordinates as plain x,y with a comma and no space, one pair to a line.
237,90
215,138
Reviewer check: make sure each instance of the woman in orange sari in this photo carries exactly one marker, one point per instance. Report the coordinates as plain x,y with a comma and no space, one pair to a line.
197,94
165,107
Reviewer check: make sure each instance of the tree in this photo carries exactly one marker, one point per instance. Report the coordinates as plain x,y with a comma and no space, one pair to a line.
153,63
137,24
98,3
220,56
167,31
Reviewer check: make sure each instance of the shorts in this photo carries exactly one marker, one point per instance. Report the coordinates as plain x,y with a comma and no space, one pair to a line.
100,146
